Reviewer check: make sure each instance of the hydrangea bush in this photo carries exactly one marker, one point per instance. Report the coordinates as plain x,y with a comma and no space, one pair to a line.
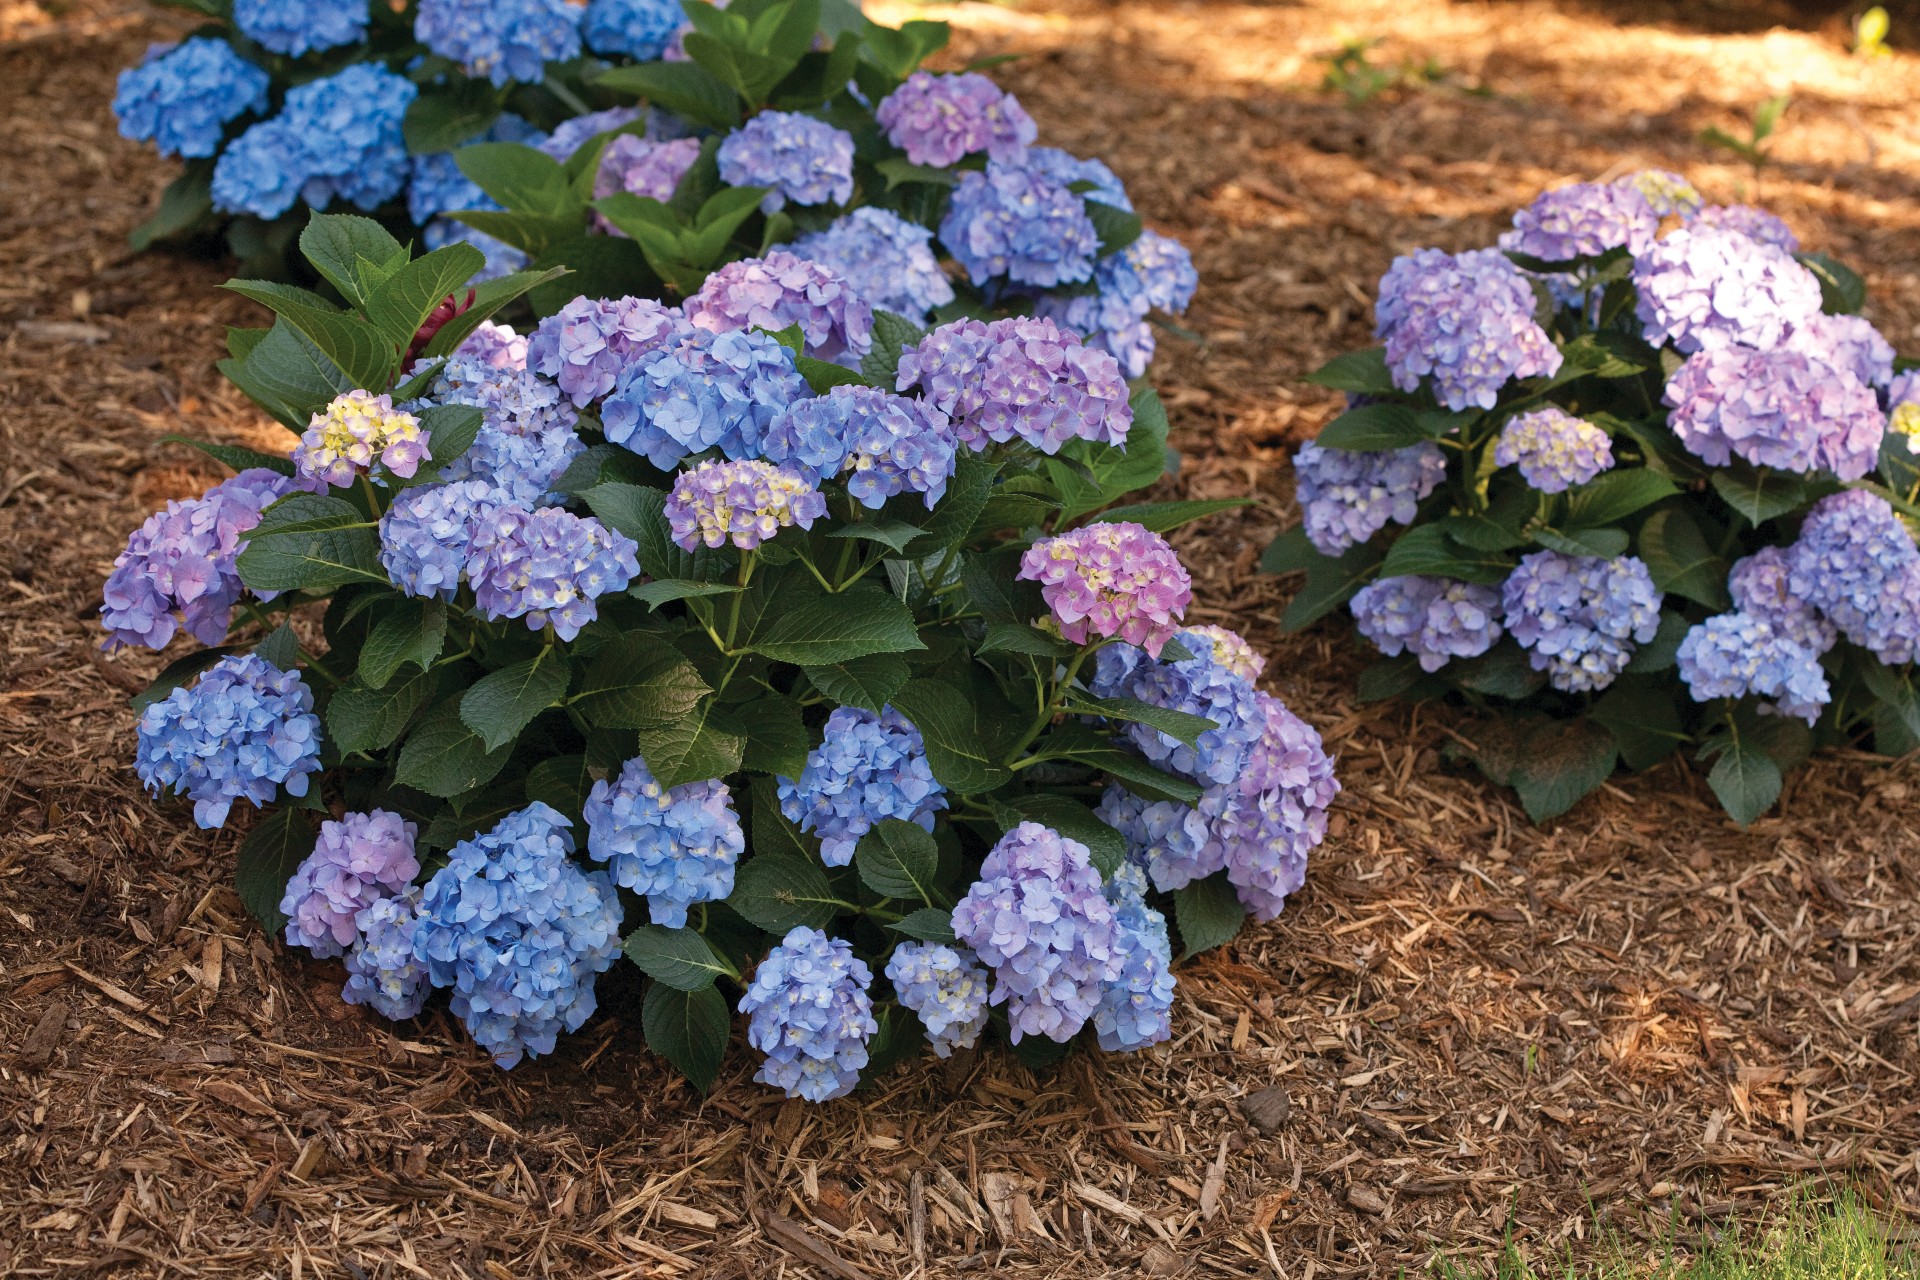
843,698
1637,480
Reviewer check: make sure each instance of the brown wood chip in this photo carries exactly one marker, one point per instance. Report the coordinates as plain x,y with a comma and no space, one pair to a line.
1266,1109
37,1049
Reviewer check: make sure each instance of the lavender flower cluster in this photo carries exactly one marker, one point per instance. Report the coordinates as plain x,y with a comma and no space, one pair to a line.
1348,496
884,443
357,861
1580,617
940,120
1435,619
1553,449
503,41
745,503
706,391
1018,378
1462,321
183,98
884,259
298,27
779,290
796,157
945,988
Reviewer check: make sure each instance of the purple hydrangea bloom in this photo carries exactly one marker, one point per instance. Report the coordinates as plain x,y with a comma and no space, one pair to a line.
1856,563
357,861
1017,222
548,566
527,437
884,259
505,41
438,186
1435,619
588,343
242,730
1154,272
383,972
705,391
945,988
633,165
1116,580
1666,192
678,845
1198,686
1703,288
1776,408
1846,342
811,1015
183,98
1465,321
519,932
867,768
1554,449
182,559
1581,616
799,158
356,430
780,290
493,346
884,443
938,120
637,29
1762,587
1584,220
744,502
1136,1009
427,535
1022,377
294,27
1755,224
1736,654
1347,496
1037,917
1228,648
1065,170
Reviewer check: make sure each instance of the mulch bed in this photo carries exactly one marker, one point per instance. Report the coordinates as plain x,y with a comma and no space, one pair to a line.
1637,1020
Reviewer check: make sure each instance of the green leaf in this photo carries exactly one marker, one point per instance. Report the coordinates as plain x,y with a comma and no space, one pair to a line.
1081,744
1180,725
562,782
1117,228
679,958
1291,552
1358,372
928,924
185,204
667,590
1502,672
445,115
701,745
1894,689
1023,637
899,52
823,376
281,648
1746,780
521,178
898,860
1842,291
444,757
967,493
503,703
958,745
1659,653
838,628
360,718
1680,559
286,375
1209,914
1564,761
777,738
1615,495
1372,428
451,431
404,300
869,682
350,343
1426,549
1501,527
1076,822
640,513
636,682
690,1029
1162,517
1606,355
891,335
1331,582
309,541
267,859
235,456
894,535
900,171
336,244
488,297
1604,543
782,891
1760,494
412,631
681,87
1643,720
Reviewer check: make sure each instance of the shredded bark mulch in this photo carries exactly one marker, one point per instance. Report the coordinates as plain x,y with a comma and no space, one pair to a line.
1637,1020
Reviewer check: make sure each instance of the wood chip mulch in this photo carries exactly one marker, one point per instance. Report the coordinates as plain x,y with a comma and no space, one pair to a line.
1638,1020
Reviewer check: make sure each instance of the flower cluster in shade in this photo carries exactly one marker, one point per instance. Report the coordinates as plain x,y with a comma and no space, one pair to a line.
297,27
945,988
886,260
1732,655
1553,449
1704,288
182,99
586,345
1020,377
504,41
1855,563
357,861
637,29
810,1014
181,561
518,932
883,443
356,430
526,438
1580,617
780,290
548,566
1434,619
338,137
1153,273
1347,496
1755,224
706,391
1136,1008
744,502
1113,580
1018,222
940,119
868,768
1584,220
1779,408
677,846
1039,919
1199,685
798,158
639,166
1465,322
243,730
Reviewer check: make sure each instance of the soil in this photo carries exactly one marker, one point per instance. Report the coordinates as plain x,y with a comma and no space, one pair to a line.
1637,1022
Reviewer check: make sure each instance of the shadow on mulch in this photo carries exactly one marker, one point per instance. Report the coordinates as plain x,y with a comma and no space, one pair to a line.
1464,1027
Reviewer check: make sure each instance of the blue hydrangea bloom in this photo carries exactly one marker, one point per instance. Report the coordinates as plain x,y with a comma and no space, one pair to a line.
884,443
709,390
355,862
182,99
780,290
1102,184
867,768
1736,654
547,566
1435,619
1173,842
438,186
336,138
519,932
1155,272
637,29
1553,449
1018,222
1584,220
590,342
1136,1009
677,846
1019,377
1755,224
798,158
507,41
1348,496
1856,563
1581,617
1762,587
811,1016
1777,408
1463,321
527,436
884,258
295,27
383,971
1199,686
242,730
945,988
427,535
261,171
1038,918
1703,287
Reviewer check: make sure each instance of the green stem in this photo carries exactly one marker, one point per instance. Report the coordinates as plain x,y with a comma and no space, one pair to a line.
567,96
1055,701
747,559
